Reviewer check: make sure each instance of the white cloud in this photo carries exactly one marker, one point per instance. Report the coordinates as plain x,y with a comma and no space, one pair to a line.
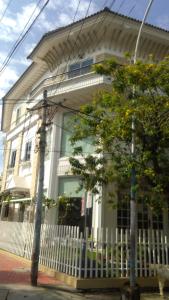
21,61
64,19
163,22
53,4
44,24
65,15
83,7
28,48
3,4
2,57
13,24
7,78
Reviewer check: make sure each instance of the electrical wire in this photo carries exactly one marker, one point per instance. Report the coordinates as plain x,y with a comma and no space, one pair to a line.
25,100
94,26
101,24
78,5
112,3
57,125
70,31
75,44
20,35
104,17
23,116
18,43
66,107
5,10
63,106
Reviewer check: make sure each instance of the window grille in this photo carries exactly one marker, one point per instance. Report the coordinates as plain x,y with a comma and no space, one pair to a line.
146,218
80,68
12,159
28,147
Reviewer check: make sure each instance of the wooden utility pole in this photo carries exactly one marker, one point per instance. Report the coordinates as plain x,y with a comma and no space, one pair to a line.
38,212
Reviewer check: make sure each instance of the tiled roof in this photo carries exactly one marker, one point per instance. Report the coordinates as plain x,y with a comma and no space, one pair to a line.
106,9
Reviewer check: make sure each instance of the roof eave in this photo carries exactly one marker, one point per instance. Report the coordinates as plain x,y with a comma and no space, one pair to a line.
105,10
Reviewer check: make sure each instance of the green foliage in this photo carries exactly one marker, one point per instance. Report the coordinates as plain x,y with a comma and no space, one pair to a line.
5,196
107,121
69,211
48,202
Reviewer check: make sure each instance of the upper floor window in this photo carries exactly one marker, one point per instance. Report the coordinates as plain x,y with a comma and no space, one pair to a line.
80,68
12,159
28,147
18,115
66,146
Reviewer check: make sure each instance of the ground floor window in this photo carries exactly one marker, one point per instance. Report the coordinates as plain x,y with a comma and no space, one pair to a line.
72,210
69,211
146,218
123,215
6,212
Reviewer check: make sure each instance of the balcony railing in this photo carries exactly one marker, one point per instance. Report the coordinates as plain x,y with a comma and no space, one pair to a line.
67,76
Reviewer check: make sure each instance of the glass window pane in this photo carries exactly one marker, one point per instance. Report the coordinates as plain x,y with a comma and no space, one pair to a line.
74,70
69,187
80,68
28,151
86,66
12,159
66,147
18,114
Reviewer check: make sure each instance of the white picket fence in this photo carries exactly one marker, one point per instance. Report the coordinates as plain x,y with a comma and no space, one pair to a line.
101,253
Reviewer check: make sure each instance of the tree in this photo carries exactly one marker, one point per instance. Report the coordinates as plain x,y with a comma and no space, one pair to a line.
140,91
107,121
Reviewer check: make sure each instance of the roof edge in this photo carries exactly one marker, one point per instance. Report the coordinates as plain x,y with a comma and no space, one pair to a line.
11,89
105,10
18,80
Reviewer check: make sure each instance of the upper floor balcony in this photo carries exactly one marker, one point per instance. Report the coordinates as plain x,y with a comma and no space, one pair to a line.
77,85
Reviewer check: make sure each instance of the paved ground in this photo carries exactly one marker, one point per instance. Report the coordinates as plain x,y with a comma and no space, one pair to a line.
21,292
17,270
15,285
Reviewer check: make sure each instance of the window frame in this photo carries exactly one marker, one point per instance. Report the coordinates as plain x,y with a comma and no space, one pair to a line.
84,67
66,149
18,115
28,148
12,160
146,219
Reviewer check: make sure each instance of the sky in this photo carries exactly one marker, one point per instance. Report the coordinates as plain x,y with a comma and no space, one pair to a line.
14,16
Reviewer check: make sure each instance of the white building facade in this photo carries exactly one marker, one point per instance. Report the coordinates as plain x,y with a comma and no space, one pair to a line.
61,64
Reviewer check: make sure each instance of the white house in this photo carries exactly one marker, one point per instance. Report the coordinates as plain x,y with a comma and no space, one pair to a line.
61,64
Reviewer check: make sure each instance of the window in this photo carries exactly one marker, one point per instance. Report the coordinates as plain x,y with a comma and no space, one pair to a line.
157,220
69,187
12,159
66,147
70,207
145,217
28,151
80,68
6,212
123,215
18,115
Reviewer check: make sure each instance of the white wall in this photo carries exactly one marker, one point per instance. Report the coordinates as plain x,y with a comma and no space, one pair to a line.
25,169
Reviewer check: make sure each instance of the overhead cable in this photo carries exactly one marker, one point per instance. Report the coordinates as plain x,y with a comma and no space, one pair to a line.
5,10
23,36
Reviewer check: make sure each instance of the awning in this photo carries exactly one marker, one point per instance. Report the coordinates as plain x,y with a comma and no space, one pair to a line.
17,184
19,200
